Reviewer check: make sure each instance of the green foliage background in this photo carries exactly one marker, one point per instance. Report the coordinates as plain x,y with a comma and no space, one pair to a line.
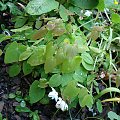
47,42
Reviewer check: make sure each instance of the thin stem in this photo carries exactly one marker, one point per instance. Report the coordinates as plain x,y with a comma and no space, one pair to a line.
96,59
93,118
70,115
88,43
86,23
55,114
110,68
114,67
110,39
91,88
77,113
107,15
97,16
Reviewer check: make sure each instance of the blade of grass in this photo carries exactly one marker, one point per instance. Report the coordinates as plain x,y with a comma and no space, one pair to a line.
107,90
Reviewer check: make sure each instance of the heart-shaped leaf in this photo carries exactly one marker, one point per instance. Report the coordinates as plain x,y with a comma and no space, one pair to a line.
14,70
85,4
55,80
87,58
36,93
70,91
13,52
38,7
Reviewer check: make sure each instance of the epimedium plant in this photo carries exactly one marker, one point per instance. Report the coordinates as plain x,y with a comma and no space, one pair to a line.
48,43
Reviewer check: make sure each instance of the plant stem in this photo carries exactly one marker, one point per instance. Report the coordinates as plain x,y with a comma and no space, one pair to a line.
55,114
70,115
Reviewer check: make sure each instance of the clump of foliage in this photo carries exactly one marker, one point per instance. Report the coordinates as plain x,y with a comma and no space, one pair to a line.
62,48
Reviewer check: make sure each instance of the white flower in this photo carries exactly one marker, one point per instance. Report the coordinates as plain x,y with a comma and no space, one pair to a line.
53,94
88,13
61,104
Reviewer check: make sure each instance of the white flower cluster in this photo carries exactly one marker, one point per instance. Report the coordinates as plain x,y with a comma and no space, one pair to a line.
61,104
88,13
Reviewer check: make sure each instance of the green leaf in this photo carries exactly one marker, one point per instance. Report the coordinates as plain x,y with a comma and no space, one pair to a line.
43,83
13,52
90,79
27,69
45,100
25,55
1,52
59,56
4,37
110,4
87,58
85,4
87,101
24,28
71,65
36,116
112,115
75,10
13,9
38,24
67,66
2,6
36,93
38,7
94,49
87,66
70,50
22,109
50,64
101,5
14,70
99,106
56,26
39,33
116,99
50,50
0,116
55,80
80,75
20,21
84,98
107,90
74,103
115,18
70,91
82,93
63,13
37,57
66,78
12,95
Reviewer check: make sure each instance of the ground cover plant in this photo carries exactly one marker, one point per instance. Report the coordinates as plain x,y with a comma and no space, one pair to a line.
59,59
